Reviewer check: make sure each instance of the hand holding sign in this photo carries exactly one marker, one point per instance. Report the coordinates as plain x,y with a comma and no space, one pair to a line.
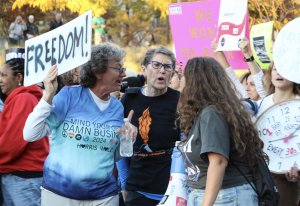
50,84
292,175
244,45
214,46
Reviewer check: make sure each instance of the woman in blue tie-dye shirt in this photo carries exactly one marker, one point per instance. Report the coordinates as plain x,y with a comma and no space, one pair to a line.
82,121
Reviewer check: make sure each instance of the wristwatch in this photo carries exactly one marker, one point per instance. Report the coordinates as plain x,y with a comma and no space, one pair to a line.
250,59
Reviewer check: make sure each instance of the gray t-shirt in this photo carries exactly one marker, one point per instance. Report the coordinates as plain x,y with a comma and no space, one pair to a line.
210,134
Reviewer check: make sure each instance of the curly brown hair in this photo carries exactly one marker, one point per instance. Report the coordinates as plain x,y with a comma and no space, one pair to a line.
206,83
269,87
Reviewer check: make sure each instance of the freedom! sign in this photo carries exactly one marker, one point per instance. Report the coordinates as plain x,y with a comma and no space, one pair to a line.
68,46
194,25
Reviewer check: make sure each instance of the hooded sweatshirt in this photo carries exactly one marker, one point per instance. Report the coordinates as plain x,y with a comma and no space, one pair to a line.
17,155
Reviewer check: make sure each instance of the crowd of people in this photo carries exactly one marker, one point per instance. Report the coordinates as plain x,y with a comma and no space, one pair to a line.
21,30
59,143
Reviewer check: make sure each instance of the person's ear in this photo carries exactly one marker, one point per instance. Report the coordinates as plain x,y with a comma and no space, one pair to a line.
20,78
143,70
99,76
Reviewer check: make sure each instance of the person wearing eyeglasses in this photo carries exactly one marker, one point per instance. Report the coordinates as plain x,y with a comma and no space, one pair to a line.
83,121
145,176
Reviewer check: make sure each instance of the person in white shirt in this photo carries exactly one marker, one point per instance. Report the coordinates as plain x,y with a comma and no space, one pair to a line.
279,90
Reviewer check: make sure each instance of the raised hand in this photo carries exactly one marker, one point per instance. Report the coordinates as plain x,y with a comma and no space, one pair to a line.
292,175
220,55
50,84
214,45
244,45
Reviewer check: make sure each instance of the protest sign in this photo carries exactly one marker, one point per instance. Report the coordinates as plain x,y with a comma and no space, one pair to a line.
232,24
286,51
194,26
261,38
68,46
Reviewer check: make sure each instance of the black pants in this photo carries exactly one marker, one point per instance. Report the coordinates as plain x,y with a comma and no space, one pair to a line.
121,200
136,199
13,41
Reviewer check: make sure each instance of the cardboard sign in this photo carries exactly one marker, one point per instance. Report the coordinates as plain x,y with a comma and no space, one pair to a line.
194,26
68,46
232,24
286,51
261,43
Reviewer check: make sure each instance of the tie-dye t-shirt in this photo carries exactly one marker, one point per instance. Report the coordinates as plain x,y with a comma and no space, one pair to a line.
83,143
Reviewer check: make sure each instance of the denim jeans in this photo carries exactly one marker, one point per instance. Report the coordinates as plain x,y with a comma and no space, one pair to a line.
51,199
242,195
19,191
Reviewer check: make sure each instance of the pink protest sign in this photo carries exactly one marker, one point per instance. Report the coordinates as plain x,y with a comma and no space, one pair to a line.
194,25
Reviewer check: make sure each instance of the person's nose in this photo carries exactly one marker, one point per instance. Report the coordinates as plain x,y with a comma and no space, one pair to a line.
162,69
123,74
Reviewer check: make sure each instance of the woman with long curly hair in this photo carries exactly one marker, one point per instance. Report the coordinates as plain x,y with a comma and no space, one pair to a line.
219,136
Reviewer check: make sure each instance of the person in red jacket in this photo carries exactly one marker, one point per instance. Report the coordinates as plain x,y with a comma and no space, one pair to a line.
21,162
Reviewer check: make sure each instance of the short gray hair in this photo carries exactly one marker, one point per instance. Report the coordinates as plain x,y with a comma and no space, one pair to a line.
98,62
158,50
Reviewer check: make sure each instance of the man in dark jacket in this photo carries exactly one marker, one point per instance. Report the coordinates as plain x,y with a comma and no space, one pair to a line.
57,22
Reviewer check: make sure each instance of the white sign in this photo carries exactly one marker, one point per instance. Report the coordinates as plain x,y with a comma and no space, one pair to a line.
232,24
279,129
286,51
68,46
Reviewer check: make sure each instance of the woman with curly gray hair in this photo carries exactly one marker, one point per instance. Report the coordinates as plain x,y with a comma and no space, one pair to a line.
83,121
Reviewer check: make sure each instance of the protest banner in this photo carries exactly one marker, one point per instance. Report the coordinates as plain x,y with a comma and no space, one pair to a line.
286,51
193,27
67,46
232,24
261,38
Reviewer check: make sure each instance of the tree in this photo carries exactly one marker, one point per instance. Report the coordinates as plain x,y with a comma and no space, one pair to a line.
98,7
130,21
279,11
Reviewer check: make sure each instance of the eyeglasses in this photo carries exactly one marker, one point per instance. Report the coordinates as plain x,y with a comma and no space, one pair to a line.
119,69
158,65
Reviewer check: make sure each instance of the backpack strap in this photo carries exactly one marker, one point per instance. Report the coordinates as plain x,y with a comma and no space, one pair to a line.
250,183
258,108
